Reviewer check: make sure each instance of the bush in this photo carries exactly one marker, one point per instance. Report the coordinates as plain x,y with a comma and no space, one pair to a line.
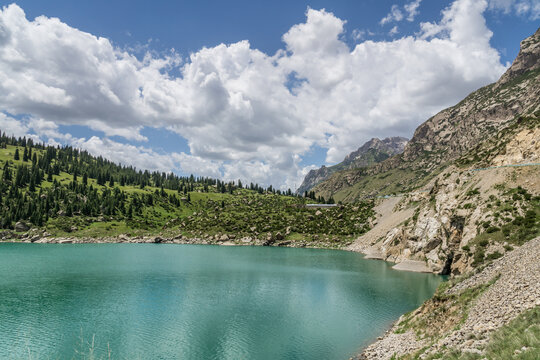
478,257
492,229
508,248
483,242
494,255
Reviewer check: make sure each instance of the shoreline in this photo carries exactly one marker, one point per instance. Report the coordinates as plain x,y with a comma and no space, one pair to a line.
406,265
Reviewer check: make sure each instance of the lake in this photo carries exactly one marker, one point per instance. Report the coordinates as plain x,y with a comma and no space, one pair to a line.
165,301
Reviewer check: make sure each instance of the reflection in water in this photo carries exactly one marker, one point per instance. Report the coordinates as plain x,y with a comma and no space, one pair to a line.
197,302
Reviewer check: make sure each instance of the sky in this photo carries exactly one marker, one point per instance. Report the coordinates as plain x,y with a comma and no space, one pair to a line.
261,91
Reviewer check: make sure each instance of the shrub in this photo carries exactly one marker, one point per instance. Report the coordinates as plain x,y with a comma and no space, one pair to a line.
478,257
492,229
494,255
508,248
483,242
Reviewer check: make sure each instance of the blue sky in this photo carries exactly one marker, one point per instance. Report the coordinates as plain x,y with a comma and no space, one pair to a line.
150,96
188,26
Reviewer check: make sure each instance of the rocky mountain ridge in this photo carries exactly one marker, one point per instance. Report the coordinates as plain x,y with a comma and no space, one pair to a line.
455,131
373,151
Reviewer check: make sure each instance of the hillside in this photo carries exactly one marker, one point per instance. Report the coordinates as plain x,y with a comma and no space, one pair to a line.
467,204
53,194
450,134
372,152
458,213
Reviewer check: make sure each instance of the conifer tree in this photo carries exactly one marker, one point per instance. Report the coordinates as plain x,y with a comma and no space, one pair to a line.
16,156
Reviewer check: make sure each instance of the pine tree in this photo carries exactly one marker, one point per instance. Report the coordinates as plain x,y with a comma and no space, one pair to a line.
25,155
16,156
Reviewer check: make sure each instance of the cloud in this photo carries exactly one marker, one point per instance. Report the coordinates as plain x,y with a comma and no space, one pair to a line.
235,105
12,127
358,35
412,9
395,14
393,31
526,8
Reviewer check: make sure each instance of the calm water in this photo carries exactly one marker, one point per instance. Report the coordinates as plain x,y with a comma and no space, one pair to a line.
157,301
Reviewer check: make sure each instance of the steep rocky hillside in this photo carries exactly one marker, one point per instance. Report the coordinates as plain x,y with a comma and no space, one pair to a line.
464,217
372,152
491,314
448,135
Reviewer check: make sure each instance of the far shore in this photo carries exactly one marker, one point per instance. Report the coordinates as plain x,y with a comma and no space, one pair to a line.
407,265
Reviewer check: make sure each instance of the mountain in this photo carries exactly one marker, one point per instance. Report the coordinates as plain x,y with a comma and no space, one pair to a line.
449,134
467,184
466,204
373,151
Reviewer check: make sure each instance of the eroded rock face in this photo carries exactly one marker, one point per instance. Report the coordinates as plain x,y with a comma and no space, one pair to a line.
449,214
525,147
527,59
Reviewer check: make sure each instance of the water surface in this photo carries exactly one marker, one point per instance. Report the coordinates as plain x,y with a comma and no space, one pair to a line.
160,301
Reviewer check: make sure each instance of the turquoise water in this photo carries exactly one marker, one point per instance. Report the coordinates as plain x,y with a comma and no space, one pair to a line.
158,301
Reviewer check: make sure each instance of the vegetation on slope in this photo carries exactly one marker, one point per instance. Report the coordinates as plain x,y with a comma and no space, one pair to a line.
70,192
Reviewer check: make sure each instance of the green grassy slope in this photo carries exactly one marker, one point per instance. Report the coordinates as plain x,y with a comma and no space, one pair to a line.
66,207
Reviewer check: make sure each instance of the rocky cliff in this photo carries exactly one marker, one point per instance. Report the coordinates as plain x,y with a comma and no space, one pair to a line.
372,152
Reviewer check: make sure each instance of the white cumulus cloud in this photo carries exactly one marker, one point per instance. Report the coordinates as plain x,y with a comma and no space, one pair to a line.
235,105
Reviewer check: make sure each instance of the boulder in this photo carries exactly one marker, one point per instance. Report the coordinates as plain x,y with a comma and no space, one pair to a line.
224,237
21,226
